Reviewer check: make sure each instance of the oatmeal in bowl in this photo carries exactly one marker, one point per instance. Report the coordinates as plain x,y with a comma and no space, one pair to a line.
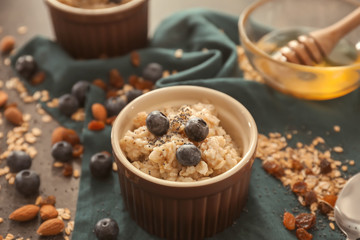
184,157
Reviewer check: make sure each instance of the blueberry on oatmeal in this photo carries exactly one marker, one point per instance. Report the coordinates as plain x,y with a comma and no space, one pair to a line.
62,151
18,160
188,155
101,165
68,104
114,105
26,66
106,229
152,72
157,123
27,182
79,91
196,129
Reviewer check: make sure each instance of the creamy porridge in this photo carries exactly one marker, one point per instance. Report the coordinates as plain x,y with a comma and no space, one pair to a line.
93,4
159,156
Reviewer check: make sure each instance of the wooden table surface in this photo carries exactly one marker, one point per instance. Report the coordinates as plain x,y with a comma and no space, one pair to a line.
33,14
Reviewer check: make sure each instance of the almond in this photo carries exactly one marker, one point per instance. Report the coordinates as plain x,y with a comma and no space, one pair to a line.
13,115
7,44
3,98
48,211
96,125
51,227
57,135
99,112
25,213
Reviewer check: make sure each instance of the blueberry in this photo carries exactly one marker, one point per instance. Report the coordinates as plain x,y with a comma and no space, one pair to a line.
188,155
79,90
68,104
157,123
114,105
106,229
26,66
152,72
132,94
18,160
101,165
62,151
196,129
27,182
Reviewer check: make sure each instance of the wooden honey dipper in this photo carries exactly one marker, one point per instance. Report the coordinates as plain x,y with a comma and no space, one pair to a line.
313,47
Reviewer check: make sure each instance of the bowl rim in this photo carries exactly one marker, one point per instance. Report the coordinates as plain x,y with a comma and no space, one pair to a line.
95,12
246,158
246,41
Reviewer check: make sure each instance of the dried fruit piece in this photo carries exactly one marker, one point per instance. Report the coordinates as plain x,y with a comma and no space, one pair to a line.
96,125
133,79
14,116
299,188
48,211
324,207
25,213
71,136
3,98
111,93
110,120
67,170
38,78
100,83
99,112
144,84
78,150
51,227
305,220
296,165
273,169
48,200
310,198
116,80
135,58
289,221
325,166
330,199
302,234
7,44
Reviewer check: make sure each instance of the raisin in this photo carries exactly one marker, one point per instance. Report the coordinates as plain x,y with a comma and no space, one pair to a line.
116,80
330,199
110,120
310,197
325,166
308,171
273,169
324,207
299,188
48,200
100,83
67,170
144,84
38,78
302,234
111,93
96,125
133,79
305,220
289,221
296,165
135,58
78,150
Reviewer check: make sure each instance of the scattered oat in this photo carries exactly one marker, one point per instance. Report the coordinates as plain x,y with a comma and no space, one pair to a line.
178,53
249,72
9,236
332,226
41,111
27,117
36,132
1,220
114,167
22,30
38,200
46,118
53,103
337,128
30,138
58,164
338,149
344,168
351,162
79,115
12,180
288,136
7,61
66,238
76,173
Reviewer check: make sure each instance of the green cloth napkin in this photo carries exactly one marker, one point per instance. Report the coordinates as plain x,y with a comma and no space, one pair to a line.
217,68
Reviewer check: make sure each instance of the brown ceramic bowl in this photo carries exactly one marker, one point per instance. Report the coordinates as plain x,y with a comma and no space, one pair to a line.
187,210
93,33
